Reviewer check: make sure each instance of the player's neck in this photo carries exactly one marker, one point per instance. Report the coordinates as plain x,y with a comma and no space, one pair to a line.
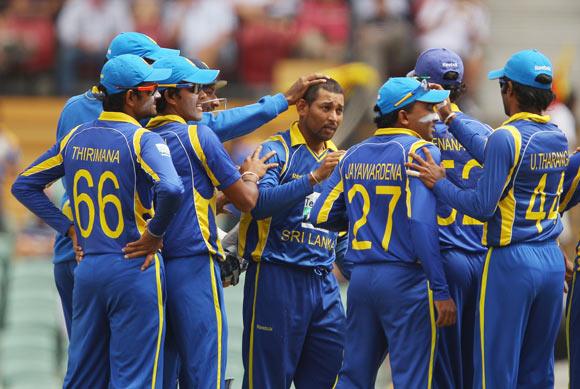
315,144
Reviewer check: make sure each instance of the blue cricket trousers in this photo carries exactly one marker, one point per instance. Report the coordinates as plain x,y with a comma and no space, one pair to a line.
454,360
519,315
389,310
117,324
293,327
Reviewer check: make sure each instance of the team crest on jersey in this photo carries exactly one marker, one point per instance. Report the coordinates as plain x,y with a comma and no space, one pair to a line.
163,149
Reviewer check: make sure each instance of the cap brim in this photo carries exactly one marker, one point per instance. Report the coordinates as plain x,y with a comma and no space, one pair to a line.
157,75
434,96
162,52
495,74
203,76
411,73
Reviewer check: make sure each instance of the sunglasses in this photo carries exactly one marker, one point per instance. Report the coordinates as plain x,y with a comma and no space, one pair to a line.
193,88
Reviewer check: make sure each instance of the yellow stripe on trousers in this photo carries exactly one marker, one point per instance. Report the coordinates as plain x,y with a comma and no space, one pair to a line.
433,336
160,309
482,313
218,318
251,356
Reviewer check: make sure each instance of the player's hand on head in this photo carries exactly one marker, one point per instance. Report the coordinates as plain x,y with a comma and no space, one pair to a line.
298,89
253,163
327,166
147,246
429,171
446,312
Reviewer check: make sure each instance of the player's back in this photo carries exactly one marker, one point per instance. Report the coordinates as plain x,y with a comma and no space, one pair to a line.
457,230
193,231
377,195
111,198
528,209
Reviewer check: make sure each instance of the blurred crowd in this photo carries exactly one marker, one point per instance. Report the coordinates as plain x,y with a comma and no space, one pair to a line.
57,46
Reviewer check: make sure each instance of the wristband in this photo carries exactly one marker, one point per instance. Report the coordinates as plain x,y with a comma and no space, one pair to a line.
314,178
248,173
448,118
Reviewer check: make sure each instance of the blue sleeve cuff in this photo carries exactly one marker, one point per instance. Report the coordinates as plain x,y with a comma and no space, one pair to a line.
441,295
280,102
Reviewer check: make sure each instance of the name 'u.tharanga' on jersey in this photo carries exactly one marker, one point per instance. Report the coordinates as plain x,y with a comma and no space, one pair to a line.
278,230
523,177
110,167
391,217
457,230
571,194
203,165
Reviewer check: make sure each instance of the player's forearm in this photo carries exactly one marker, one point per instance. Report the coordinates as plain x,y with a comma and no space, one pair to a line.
168,199
469,138
239,121
277,199
34,198
466,201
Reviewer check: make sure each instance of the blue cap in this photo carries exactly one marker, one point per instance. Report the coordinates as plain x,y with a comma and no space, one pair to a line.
127,71
435,63
523,67
399,92
138,44
183,70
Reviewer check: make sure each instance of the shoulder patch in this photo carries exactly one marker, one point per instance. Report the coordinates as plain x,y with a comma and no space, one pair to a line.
163,149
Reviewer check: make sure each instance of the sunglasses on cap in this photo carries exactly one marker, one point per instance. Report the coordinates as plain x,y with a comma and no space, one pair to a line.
193,88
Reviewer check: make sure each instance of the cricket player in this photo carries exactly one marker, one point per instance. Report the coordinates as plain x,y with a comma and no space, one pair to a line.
113,167
293,315
397,280
571,197
460,235
80,109
191,249
517,196
86,107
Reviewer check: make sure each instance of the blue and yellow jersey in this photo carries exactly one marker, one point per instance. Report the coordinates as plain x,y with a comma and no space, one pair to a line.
110,167
571,194
203,165
457,230
278,230
77,110
523,177
390,217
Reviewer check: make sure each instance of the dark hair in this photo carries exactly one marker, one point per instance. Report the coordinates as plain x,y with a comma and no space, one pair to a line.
330,85
161,103
112,102
390,119
455,90
531,99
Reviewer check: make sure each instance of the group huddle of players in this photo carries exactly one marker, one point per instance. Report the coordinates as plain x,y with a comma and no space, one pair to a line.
446,229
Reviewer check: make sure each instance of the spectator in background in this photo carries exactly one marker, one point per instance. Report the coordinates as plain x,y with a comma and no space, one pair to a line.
9,166
148,20
200,28
27,42
266,34
85,28
385,37
459,25
323,27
